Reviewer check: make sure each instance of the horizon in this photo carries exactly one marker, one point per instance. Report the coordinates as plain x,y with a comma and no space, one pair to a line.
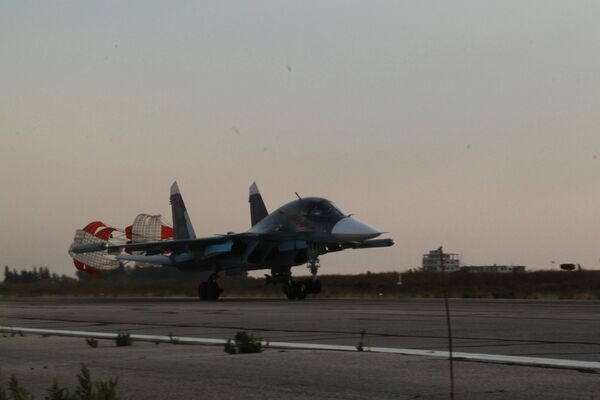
465,125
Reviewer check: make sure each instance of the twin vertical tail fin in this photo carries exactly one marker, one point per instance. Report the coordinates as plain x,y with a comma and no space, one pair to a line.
182,226
258,210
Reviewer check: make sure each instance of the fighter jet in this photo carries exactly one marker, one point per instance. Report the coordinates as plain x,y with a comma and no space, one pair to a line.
297,233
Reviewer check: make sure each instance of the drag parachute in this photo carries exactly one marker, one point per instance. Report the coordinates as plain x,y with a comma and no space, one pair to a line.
145,228
148,228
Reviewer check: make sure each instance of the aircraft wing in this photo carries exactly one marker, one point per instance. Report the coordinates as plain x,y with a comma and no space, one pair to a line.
178,245
162,246
256,247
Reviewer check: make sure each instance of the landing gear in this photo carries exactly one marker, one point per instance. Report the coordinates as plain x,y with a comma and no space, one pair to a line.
312,255
296,290
209,290
300,289
316,286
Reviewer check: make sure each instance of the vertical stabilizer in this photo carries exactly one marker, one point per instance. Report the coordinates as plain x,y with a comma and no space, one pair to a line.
258,210
182,226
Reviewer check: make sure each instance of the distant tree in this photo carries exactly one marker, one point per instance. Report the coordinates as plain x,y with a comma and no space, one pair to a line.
83,276
44,273
8,275
36,274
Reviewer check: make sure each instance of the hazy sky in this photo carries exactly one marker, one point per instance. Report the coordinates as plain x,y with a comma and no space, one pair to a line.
468,124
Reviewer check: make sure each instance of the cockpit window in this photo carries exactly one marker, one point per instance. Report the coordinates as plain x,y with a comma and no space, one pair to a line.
323,208
337,211
317,209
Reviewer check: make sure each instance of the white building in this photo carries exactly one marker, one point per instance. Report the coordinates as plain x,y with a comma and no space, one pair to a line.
432,262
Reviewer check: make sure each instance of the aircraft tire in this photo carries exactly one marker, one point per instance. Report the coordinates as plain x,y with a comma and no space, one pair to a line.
213,291
290,295
301,289
315,286
291,291
203,291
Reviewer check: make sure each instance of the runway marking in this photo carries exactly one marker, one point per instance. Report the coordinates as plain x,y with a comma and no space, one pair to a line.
510,342
586,366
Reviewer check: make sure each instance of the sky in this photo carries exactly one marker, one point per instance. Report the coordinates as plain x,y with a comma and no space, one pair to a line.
471,125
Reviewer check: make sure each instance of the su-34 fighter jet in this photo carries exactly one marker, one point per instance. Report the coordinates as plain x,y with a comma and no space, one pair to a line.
294,234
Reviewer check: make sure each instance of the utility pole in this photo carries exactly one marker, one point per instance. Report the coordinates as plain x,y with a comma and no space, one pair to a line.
445,290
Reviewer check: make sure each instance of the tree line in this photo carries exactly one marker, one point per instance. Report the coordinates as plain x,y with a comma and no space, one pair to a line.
134,273
123,273
37,274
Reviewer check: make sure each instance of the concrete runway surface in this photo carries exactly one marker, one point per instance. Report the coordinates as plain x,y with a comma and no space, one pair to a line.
552,329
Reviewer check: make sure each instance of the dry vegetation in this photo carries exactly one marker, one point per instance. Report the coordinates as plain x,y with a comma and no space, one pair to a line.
531,285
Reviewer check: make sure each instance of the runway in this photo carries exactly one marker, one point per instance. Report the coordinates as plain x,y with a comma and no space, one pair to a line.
567,330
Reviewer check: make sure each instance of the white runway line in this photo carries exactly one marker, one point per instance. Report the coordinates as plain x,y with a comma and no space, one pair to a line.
587,366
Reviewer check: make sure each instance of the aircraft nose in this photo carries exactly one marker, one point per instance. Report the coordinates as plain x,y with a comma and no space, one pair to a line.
350,229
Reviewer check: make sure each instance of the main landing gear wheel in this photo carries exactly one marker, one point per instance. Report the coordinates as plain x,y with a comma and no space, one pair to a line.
296,290
299,290
316,286
209,290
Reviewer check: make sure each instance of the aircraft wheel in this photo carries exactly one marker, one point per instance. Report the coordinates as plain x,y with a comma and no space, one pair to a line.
301,290
290,295
213,291
315,286
291,291
203,291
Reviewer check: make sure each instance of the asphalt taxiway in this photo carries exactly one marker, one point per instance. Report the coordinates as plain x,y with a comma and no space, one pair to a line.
567,330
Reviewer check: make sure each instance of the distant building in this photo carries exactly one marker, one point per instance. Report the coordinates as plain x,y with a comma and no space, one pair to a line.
432,262
493,268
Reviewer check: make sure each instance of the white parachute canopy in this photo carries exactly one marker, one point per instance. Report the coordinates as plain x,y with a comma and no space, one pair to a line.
148,228
97,232
145,228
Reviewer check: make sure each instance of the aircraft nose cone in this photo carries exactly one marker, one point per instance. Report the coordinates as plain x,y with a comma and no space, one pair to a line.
350,229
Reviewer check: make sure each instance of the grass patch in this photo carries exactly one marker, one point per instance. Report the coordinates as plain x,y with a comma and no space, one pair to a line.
123,339
87,389
243,343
